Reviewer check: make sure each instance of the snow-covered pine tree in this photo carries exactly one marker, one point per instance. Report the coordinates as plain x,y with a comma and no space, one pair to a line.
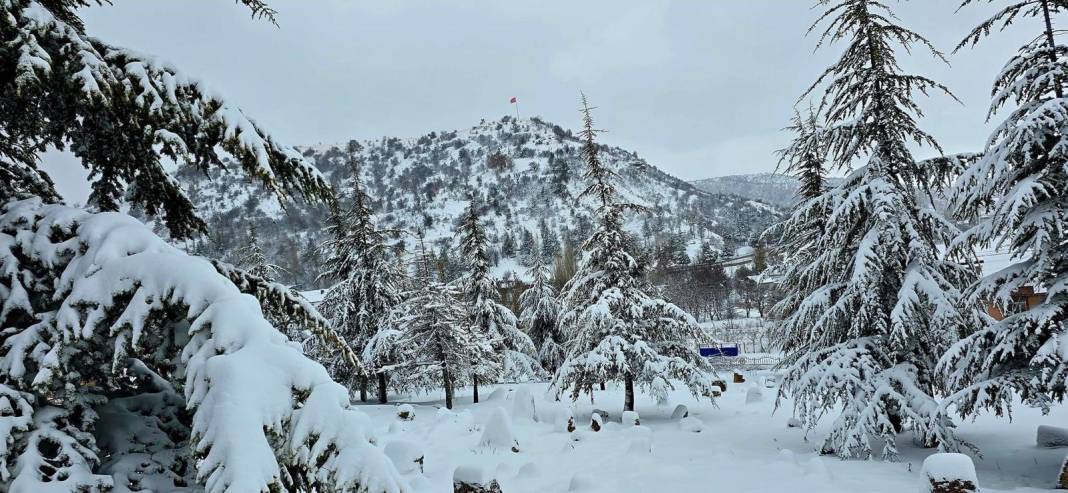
539,316
1016,194
114,335
877,302
366,290
122,114
513,358
436,341
615,330
252,260
127,363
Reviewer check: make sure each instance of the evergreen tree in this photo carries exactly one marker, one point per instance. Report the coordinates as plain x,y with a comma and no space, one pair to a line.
252,259
561,175
550,242
615,330
528,247
437,342
805,157
875,302
513,352
1016,194
539,314
123,114
366,290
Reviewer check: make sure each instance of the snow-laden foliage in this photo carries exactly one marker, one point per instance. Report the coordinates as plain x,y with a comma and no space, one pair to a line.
366,287
615,330
871,300
539,316
112,339
437,344
514,353
252,259
1016,195
122,113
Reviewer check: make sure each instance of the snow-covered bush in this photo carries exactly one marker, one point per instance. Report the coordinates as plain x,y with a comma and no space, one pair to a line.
126,361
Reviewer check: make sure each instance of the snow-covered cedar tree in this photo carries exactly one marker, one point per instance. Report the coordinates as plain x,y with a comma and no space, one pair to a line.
876,303
251,258
123,114
359,264
514,353
131,365
1015,194
436,342
615,330
539,314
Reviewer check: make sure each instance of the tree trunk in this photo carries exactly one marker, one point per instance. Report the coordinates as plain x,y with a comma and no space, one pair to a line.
474,383
382,397
628,392
363,389
447,381
602,385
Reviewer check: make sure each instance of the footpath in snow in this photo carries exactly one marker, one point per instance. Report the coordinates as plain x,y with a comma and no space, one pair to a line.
741,446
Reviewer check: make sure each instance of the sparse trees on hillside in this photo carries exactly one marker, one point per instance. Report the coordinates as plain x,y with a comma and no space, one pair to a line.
877,301
615,330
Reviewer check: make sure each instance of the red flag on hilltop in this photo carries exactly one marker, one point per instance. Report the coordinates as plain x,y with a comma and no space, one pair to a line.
514,100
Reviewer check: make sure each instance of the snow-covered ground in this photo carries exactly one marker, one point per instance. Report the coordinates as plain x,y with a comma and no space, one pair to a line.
743,447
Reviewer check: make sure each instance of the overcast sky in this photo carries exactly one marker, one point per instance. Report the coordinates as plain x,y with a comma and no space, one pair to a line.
699,88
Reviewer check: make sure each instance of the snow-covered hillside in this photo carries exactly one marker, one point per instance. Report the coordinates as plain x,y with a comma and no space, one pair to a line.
526,172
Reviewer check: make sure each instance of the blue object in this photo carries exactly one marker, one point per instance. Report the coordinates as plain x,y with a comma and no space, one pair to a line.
719,351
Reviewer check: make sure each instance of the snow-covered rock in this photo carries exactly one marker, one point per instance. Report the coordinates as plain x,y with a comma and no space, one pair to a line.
1051,436
498,433
528,470
596,422
691,424
474,479
949,473
630,418
681,411
405,412
499,394
406,455
793,423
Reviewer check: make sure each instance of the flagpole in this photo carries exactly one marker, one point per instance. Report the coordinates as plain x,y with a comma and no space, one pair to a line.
516,109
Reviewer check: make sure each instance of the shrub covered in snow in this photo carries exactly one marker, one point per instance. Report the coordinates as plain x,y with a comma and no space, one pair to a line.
120,346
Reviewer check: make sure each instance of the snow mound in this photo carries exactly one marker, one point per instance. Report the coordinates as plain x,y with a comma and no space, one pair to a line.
630,418
681,411
691,424
498,433
406,455
499,394
581,482
406,412
754,395
523,405
1051,436
943,472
